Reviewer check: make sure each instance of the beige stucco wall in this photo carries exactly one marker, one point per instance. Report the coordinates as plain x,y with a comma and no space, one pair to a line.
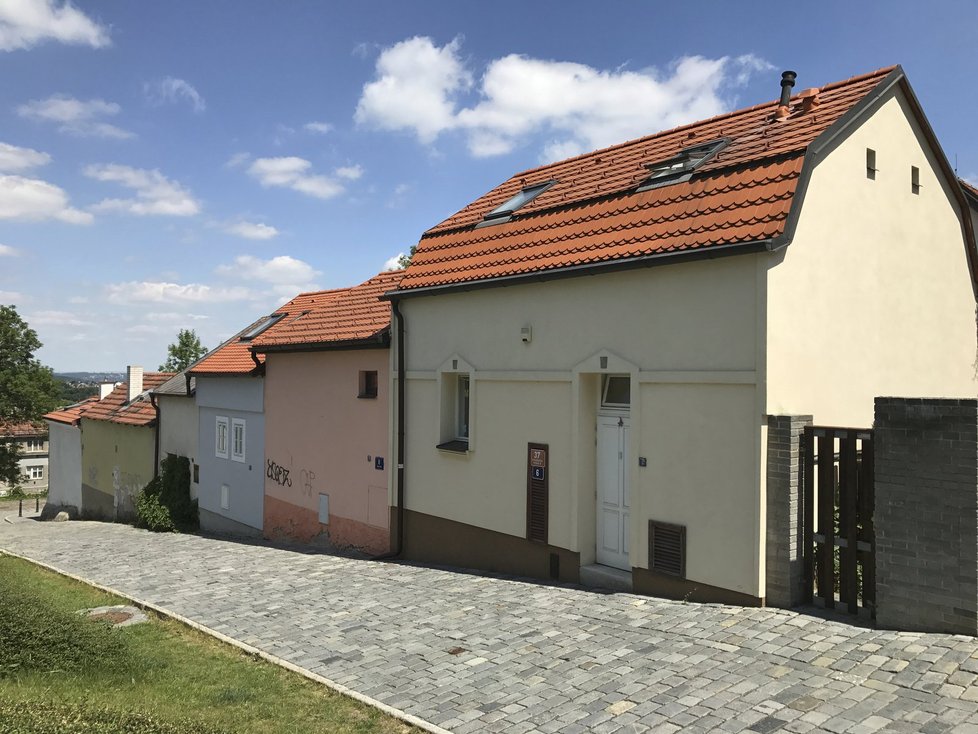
687,336
873,297
117,462
329,440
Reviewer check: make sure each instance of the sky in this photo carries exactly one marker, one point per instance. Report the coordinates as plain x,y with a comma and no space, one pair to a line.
188,164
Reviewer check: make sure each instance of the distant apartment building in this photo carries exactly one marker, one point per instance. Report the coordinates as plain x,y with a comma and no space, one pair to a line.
32,440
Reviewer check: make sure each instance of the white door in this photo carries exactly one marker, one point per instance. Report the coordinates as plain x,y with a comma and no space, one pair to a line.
612,462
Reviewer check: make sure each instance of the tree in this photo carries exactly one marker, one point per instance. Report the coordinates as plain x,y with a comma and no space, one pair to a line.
184,353
28,389
404,260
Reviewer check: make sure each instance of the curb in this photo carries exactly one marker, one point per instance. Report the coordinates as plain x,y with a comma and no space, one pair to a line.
275,660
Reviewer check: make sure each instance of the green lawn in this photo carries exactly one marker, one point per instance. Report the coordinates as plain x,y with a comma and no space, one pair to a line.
61,672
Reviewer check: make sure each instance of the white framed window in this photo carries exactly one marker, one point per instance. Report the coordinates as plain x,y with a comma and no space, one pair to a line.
35,472
238,439
34,444
457,406
221,438
616,392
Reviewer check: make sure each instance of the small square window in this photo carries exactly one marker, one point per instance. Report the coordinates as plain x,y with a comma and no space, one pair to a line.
221,438
35,472
238,439
368,384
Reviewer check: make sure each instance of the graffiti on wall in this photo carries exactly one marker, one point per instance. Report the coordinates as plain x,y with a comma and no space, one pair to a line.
277,473
307,478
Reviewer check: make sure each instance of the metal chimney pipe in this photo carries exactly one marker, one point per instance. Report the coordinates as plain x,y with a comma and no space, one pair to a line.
787,82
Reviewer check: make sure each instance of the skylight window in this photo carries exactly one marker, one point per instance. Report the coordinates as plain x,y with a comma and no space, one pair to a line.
524,197
681,167
264,324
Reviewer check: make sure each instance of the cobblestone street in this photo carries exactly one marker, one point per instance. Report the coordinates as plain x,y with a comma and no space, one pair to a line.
471,653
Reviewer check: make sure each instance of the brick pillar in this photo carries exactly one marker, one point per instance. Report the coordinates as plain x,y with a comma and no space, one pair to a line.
785,571
927,514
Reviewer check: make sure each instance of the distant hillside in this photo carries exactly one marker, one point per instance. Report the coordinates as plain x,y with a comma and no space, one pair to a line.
91,378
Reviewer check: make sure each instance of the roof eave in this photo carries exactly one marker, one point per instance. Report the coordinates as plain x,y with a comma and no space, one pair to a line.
573,271
380,340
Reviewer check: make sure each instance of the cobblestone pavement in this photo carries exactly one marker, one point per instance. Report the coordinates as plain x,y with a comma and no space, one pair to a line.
471,653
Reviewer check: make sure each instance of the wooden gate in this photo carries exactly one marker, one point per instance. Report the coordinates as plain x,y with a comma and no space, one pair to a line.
839,539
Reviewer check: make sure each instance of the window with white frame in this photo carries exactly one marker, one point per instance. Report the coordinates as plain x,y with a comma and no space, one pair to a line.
34,444
35,472
238,439
221,438
462,408
455,412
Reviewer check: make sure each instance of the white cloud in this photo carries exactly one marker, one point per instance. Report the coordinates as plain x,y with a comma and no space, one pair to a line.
78,299
393,263
25,23
173,316
8,251
56,318
319,128
418,87
278,270
32,199
350,173
171,91
252,230
163,292
11,297
237,160
971,178
155,194
14,158
76,117
415,88
294,173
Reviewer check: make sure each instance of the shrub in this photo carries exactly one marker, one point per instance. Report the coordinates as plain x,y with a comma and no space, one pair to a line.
165,505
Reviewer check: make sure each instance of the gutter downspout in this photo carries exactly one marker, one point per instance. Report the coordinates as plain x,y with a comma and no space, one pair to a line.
400,436
159,427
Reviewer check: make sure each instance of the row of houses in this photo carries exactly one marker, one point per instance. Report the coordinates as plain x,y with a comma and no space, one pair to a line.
575,376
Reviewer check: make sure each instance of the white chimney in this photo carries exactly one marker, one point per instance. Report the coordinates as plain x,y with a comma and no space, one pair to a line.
134,376
104,389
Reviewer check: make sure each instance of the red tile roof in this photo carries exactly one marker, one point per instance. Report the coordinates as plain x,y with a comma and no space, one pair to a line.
72,414
969,188
115,407
349,316
593,212
22,430
233,357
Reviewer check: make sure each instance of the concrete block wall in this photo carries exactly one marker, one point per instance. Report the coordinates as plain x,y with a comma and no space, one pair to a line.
784,562
927,514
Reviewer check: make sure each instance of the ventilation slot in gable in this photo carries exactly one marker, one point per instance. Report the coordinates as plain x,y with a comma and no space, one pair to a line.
667,548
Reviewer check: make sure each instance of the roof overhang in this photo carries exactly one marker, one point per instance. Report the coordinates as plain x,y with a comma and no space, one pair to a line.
380,340
598,268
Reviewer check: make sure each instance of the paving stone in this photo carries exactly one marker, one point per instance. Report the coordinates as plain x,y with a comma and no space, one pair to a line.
534,657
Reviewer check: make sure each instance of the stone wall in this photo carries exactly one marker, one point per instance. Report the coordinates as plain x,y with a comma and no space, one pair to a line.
785,568
927,514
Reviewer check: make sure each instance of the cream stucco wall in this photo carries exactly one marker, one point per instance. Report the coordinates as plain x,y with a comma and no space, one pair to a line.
873,297
329,438
117,462
686,334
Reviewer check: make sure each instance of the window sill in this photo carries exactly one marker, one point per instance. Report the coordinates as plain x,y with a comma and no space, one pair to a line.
456,447
367,397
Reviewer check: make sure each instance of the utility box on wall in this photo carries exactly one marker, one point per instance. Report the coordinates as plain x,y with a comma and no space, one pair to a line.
537,491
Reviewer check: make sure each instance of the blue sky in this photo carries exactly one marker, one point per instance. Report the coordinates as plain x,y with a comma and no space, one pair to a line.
181,164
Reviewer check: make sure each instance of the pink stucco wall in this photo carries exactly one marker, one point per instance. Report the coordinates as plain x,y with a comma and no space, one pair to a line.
328,439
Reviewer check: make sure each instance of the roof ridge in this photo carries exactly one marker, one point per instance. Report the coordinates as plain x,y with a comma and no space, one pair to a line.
696,123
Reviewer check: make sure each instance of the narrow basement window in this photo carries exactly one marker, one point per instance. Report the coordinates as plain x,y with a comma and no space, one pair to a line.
368,384
914,180
505,210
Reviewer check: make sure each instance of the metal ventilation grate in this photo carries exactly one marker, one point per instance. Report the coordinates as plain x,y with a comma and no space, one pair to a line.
667,548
